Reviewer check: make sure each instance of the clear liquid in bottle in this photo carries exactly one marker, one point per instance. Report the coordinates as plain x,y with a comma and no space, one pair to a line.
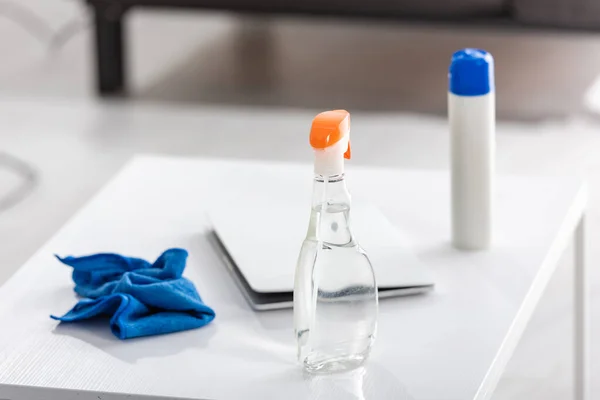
335,294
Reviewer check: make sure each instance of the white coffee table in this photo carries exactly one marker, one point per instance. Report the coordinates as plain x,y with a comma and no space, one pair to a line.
452,344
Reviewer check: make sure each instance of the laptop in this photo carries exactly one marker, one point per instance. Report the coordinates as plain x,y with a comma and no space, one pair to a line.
259,244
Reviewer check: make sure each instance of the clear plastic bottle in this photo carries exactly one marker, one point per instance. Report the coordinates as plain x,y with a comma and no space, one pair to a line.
335,294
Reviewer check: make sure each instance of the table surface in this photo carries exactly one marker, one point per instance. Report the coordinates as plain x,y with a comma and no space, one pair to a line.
450,344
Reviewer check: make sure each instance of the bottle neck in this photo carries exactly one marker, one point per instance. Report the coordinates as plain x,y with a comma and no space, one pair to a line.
330,190
330,216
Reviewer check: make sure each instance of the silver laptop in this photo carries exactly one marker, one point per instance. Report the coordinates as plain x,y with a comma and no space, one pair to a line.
259,244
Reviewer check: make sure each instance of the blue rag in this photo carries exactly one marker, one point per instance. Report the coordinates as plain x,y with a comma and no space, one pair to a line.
141,299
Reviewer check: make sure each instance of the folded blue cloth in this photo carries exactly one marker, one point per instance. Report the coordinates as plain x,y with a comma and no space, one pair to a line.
142,299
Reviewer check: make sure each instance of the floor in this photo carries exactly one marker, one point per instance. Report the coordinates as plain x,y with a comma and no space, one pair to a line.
207,84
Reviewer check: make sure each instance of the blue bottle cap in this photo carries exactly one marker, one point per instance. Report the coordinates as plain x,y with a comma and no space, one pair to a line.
471,73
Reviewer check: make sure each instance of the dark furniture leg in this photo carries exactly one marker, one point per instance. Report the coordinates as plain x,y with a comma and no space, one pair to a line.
110,52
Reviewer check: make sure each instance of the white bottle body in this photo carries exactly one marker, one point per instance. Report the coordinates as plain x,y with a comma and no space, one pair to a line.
473,146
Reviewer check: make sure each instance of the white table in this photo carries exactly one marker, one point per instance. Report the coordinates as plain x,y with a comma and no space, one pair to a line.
452,344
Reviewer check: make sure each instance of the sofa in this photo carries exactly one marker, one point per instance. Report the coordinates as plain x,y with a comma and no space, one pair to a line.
109,18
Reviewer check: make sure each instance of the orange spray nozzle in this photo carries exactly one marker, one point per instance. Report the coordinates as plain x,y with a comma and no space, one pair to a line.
328,128
348,153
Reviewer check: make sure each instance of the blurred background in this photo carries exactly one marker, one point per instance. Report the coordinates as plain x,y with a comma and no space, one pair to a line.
83,87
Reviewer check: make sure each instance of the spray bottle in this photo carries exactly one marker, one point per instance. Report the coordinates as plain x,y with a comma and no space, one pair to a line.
335,294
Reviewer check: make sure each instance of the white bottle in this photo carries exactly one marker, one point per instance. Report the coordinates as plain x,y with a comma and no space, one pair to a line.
335,294
472,116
